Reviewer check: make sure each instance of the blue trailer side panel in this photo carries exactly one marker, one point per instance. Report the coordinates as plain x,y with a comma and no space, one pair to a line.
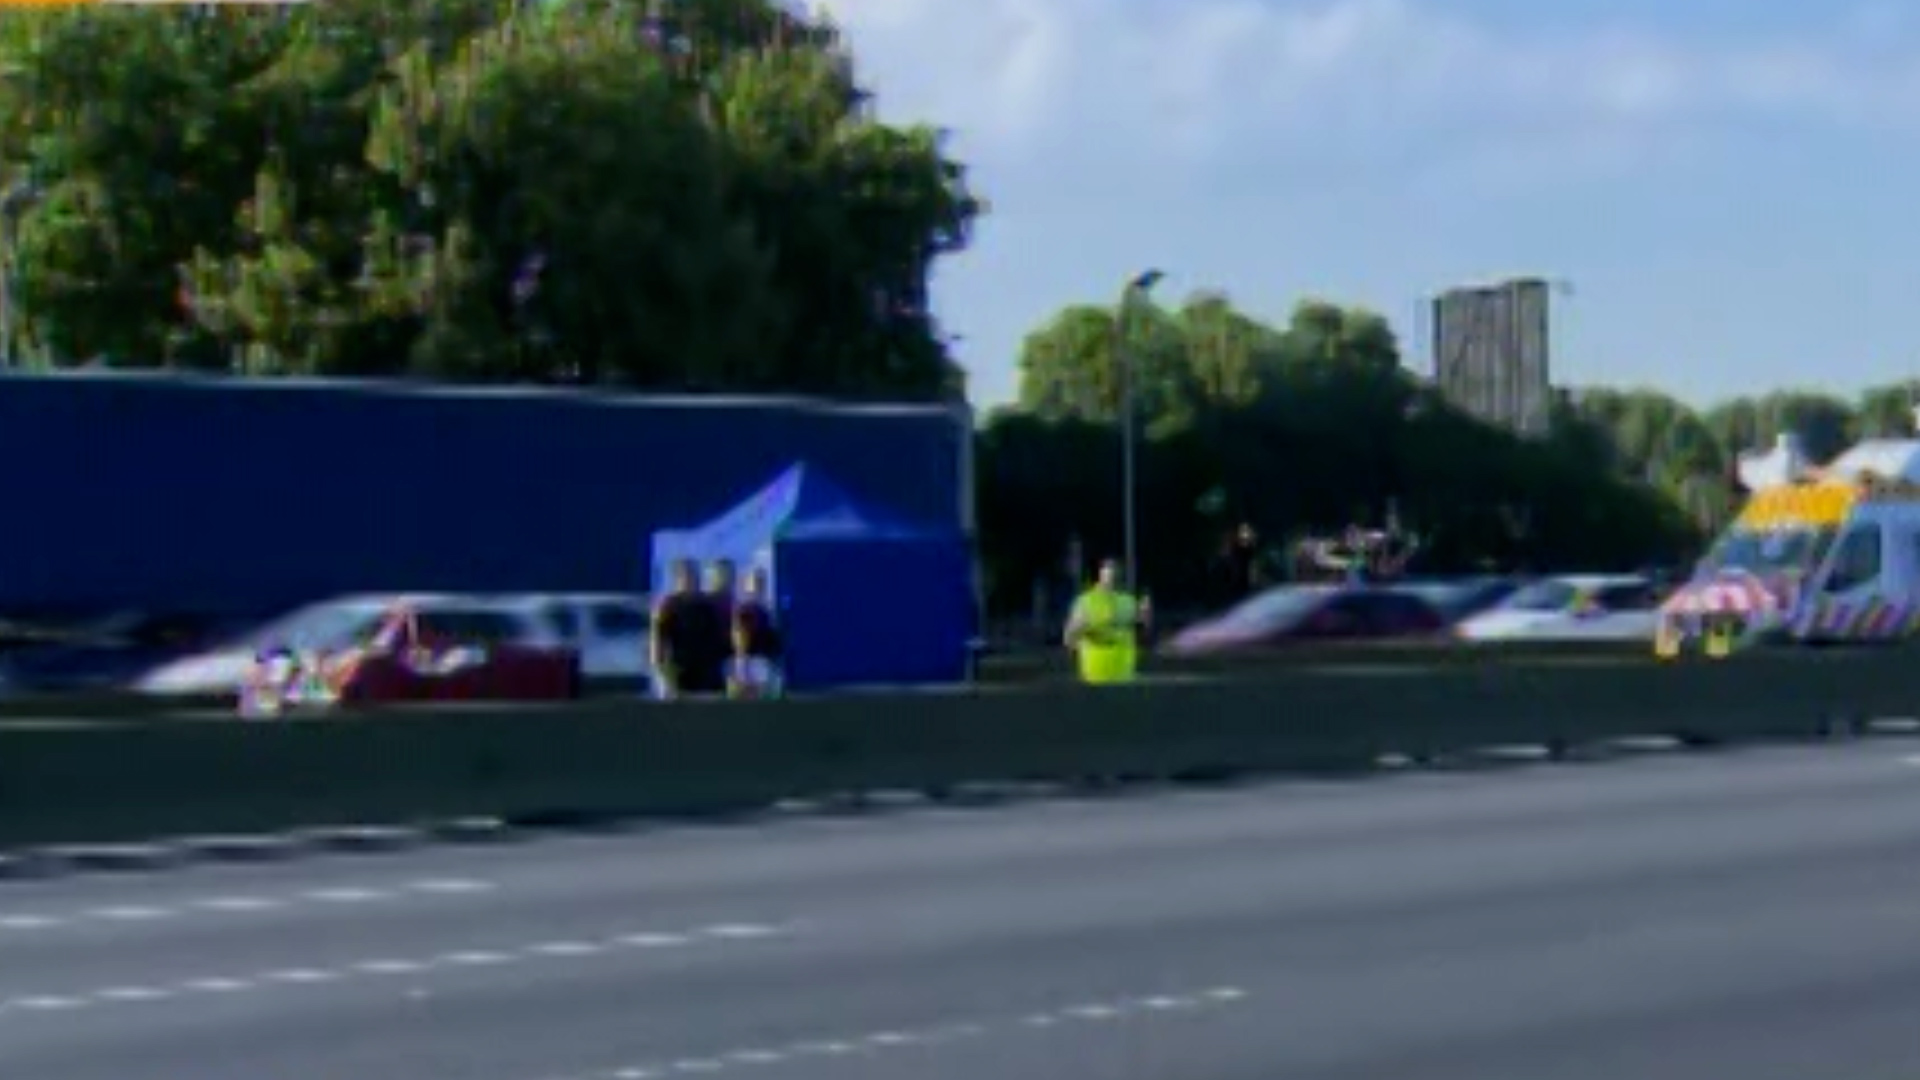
180,494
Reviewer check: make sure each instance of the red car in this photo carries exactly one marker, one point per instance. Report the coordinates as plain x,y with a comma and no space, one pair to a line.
437,653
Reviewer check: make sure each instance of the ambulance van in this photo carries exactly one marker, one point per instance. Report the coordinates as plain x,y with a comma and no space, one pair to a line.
1819,556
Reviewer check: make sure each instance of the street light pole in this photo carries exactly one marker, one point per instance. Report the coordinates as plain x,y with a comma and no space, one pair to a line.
1136,290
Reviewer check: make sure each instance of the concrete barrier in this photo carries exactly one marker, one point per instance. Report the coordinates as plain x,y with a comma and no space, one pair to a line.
90,781
1019,669
1057,665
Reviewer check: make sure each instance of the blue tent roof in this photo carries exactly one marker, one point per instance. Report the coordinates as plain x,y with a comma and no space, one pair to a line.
842,574
800,504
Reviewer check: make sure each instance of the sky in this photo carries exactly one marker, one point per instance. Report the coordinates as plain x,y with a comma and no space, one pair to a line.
1729,190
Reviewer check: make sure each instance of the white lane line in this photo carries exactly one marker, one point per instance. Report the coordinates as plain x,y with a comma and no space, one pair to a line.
651,941
1142,1009
390,967
347,896
27,922
47,1003
893,1038
375,967
216,986
450,886
131,994
237,904
475,958
300,976
127,914
247,905
565,948
740,931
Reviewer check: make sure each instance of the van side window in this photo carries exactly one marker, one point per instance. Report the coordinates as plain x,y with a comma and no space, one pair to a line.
1856,560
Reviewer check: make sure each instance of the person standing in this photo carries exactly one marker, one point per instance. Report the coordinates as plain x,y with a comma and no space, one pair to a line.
758,647
723,588
1105,627
688,644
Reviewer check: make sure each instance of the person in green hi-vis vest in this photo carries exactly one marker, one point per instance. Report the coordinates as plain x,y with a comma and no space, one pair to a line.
1105,627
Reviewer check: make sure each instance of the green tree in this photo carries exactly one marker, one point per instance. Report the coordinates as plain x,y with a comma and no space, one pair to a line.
1306,427
657,193
1226,351
1826,425
1071,367
1887,412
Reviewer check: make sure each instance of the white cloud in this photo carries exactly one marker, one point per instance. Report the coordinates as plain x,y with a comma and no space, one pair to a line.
1027,80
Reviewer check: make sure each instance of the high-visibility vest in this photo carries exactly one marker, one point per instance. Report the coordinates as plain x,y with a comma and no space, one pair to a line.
1108,648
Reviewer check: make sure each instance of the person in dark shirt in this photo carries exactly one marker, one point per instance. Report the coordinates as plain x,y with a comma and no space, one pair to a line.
757,644
690,639
722,587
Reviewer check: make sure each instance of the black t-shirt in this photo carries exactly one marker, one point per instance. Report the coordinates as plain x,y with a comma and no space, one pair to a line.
723,604
692,631
753,624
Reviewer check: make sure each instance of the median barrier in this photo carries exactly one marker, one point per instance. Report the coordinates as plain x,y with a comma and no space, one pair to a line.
1057,665
1011,669
109,704
123,704
123,780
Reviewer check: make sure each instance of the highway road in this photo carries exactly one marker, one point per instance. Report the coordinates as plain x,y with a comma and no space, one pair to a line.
1752,915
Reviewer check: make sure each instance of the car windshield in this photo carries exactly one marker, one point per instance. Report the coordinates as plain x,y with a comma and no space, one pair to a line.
470,626
1543,596
1769,551
1275,607
1449,598
318,628
1437,592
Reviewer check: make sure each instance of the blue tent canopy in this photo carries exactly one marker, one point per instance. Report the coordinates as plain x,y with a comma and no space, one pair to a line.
864,596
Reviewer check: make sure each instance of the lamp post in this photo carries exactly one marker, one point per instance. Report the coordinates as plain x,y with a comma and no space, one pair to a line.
1137,289
13,203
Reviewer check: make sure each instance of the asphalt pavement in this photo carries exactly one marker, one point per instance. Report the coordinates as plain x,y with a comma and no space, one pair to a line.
1752,915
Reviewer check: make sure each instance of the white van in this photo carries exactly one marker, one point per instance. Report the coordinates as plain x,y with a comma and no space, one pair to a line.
1832,555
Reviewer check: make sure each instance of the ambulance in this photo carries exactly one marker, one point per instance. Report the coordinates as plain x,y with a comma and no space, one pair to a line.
1817,556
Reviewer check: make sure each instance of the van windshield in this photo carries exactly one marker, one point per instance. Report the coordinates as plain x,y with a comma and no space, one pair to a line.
1769,551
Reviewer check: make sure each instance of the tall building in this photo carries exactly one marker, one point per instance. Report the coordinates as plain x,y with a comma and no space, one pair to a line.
1490,353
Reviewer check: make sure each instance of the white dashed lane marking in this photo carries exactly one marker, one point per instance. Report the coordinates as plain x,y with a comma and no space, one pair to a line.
131,994
26,921
1141,1009
728,935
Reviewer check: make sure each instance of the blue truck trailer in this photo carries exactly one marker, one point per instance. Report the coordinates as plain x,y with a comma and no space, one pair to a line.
240,497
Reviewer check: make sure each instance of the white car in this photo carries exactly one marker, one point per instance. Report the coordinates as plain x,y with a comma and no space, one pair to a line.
1576,607
608,630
